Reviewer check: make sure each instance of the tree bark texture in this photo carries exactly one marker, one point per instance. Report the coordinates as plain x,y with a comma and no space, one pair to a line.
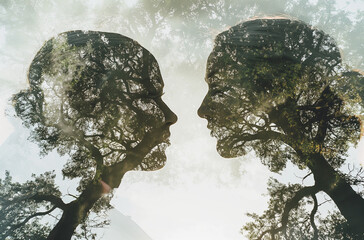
75,212
350,203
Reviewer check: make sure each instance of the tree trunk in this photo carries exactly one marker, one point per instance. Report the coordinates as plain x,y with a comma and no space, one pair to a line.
75,212
350,203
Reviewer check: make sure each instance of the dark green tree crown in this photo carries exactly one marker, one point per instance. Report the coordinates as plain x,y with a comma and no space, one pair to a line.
279,39
93,92
279,53
270,76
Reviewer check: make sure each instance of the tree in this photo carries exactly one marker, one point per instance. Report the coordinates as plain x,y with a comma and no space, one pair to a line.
20,203
189,25
278,87
95,97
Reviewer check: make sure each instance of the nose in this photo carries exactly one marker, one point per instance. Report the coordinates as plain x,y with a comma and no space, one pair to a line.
203,110
170,117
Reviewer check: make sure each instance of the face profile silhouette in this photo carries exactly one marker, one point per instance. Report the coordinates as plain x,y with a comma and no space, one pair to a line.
259,67
95,97
278,87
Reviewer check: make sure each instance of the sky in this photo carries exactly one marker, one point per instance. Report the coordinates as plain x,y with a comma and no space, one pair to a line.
198,194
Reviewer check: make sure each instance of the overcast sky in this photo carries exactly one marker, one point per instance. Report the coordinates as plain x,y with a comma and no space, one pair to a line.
197,195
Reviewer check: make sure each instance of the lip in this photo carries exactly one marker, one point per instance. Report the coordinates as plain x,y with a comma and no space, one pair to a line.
164,135
162,139
211,127
151,139
210,124
167,134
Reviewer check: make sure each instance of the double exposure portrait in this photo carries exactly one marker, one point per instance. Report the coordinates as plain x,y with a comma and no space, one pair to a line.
160,120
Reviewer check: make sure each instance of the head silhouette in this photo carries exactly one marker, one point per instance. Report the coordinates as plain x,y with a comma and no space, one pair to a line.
272,81
96,96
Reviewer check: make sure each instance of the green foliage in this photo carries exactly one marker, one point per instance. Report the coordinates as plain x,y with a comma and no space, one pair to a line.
28,209
277,98
21,209
334,226
278,87
304,220
92,99
96,98
192,21
298,226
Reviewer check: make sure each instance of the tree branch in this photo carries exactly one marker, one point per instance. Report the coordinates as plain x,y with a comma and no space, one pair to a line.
312,217
56,201
264,135
290,204
16,226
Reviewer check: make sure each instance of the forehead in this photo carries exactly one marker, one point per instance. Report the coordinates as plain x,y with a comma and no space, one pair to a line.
130,64
118,57
132,67
147,81
139,71
222,70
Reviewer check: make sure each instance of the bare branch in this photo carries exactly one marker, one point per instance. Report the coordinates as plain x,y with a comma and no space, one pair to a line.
303,178
312,217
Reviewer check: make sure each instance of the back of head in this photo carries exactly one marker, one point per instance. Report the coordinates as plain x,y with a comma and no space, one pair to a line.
277,39
280,56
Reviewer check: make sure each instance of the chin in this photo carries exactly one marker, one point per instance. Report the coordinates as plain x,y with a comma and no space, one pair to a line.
225,149
156,159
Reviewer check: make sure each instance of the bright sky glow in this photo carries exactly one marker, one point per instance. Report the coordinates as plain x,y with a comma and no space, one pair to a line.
198,195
